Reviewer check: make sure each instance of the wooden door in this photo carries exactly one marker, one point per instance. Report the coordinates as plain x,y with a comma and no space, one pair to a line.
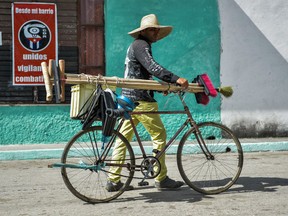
91,37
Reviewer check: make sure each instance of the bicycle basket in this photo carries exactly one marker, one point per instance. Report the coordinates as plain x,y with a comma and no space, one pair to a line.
81,99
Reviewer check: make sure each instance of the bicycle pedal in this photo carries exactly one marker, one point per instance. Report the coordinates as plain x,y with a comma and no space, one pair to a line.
143,183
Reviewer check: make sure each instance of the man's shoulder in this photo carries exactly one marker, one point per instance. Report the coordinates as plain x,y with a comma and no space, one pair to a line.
140,43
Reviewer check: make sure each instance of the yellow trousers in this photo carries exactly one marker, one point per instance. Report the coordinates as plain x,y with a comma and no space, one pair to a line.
153,124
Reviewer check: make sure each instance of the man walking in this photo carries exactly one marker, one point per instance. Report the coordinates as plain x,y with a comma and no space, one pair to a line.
140,64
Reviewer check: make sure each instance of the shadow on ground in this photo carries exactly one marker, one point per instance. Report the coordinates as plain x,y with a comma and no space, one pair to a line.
186,194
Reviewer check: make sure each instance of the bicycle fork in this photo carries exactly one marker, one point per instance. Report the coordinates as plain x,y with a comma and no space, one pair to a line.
197,132
203,145
200,140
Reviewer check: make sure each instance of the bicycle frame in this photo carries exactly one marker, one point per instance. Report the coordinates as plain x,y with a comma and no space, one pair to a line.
90,159
189,121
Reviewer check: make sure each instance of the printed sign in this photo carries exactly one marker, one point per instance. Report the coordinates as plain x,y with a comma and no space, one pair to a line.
34,40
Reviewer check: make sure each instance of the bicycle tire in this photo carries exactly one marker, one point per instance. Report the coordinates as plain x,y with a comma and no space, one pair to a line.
210,176
87,184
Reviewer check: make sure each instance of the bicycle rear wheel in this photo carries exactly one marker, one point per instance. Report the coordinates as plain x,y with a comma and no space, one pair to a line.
210,175
85,175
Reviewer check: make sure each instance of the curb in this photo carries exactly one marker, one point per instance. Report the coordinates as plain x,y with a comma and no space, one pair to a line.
54,153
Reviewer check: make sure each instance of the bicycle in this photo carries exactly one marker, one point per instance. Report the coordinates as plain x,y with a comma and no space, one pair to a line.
209,158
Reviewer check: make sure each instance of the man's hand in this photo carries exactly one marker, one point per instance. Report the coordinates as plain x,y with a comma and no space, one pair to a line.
183,83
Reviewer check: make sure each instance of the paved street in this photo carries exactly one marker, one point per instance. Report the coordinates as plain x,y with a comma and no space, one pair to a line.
30,188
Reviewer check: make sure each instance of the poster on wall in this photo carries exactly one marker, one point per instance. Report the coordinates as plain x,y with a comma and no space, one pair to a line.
34,29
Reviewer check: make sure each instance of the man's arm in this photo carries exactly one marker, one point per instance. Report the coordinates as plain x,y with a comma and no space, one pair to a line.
143,54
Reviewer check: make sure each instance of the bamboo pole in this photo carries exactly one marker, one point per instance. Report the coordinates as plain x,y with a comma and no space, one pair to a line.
47,82
50,70
62,76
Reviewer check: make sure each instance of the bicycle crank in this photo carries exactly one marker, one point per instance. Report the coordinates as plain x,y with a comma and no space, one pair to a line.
150,167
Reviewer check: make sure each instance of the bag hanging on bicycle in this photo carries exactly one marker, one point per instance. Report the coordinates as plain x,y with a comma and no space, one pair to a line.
101,101
93,111
108,122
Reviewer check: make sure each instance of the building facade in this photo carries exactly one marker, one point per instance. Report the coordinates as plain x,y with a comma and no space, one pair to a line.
93,39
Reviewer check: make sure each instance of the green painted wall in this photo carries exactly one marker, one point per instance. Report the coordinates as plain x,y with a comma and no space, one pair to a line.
192,48
36,124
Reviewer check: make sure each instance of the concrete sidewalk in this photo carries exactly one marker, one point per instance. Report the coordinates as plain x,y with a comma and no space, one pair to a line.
50,151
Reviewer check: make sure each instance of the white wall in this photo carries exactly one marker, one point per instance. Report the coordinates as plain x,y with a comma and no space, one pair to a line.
254,61
271,17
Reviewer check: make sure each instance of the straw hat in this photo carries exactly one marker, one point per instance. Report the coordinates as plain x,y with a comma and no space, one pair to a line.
151,21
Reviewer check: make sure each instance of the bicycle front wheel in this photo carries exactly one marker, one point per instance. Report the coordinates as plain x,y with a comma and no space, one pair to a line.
85,175
214,174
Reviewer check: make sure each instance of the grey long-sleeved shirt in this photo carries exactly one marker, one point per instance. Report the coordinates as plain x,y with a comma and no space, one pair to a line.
140,64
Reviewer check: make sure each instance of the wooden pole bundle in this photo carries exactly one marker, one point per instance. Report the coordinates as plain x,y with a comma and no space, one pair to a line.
51,74
129,83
